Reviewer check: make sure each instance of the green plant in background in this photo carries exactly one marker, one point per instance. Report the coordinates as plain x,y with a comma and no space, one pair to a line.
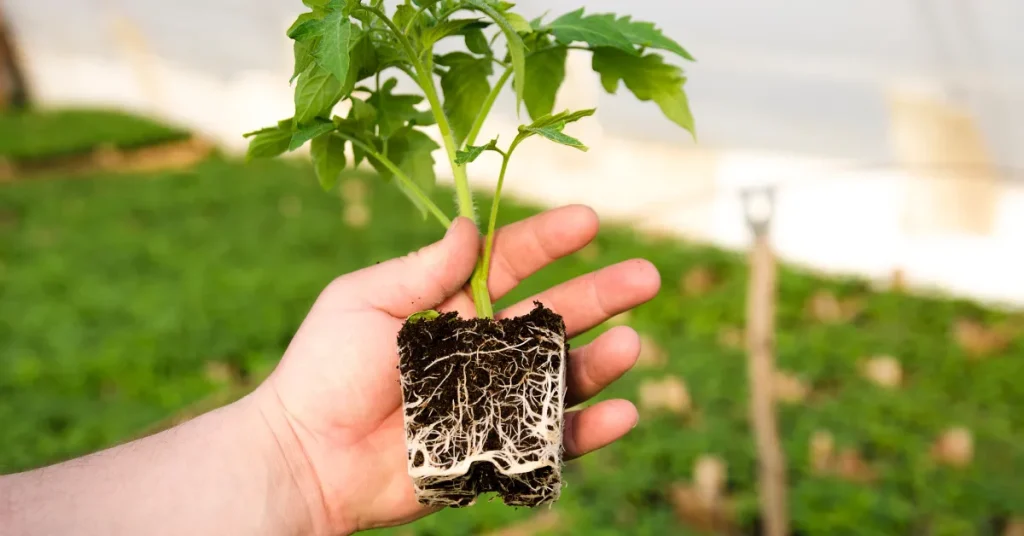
344,47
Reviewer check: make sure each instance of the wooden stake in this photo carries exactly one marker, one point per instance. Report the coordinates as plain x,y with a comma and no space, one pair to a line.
761,368
13,90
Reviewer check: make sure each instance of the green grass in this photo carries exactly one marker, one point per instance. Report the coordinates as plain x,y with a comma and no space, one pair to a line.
34,135
116,293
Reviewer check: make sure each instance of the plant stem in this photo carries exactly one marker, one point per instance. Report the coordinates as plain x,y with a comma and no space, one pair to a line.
496,90
464,196
426,83
401,176
485,110
483,268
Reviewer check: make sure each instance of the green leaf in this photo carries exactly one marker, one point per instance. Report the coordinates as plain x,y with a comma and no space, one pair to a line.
646,34
472,152
545,72
595,30
649,78
423,315
561,117
332,52
328,153
516,48
303,51
443,29
308,132
518,22
362,111
465,87
268,143
477,43
316,93
554,133
394,111
404,14
550,126
306,25
364,62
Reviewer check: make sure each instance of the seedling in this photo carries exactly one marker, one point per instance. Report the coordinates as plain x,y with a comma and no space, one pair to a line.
483,398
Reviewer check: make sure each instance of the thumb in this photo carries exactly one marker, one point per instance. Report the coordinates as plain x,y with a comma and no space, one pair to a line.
425,278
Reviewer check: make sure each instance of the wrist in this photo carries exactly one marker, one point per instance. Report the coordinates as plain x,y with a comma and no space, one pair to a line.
301,493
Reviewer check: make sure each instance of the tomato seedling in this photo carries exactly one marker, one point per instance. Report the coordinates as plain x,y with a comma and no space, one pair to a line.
484,399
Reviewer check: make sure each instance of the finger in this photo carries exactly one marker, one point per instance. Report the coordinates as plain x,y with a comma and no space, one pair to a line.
597,426
590,299
422,279
524,247
596,365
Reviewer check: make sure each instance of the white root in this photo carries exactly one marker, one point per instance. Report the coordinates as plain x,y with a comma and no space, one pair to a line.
520,434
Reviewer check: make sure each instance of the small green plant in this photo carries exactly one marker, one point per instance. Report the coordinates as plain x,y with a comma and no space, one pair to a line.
345,50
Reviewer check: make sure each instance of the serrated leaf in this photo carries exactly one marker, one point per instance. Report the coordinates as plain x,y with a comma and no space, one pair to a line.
328,153
545,72
332,51
595,30
268,143
394,111
649,78
646,34
473,152
308,132
362,111
555,134
404,15
476,42
316,93
516,48
465,87
364,61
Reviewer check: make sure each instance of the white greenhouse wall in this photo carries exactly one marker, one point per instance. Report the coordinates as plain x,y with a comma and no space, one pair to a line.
832,100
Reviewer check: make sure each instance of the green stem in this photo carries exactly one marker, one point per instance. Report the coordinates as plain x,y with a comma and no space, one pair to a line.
401,176
464,196
426,83
483,267
485,110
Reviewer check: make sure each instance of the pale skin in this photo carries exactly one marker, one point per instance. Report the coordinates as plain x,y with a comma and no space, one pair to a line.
318,448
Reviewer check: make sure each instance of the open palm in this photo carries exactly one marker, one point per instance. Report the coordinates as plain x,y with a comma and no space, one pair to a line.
337,386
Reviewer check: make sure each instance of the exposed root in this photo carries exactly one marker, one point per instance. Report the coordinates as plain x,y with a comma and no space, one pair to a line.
484,404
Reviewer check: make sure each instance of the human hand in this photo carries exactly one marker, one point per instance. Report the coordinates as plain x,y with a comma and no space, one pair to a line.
334,403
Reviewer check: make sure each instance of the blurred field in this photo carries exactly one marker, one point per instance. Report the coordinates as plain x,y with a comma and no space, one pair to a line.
127,299
34,135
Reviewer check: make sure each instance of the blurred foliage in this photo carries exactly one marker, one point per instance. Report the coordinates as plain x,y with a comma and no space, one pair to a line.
126,301
32,134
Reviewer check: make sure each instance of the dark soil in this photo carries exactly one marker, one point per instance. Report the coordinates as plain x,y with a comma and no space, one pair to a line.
481,388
